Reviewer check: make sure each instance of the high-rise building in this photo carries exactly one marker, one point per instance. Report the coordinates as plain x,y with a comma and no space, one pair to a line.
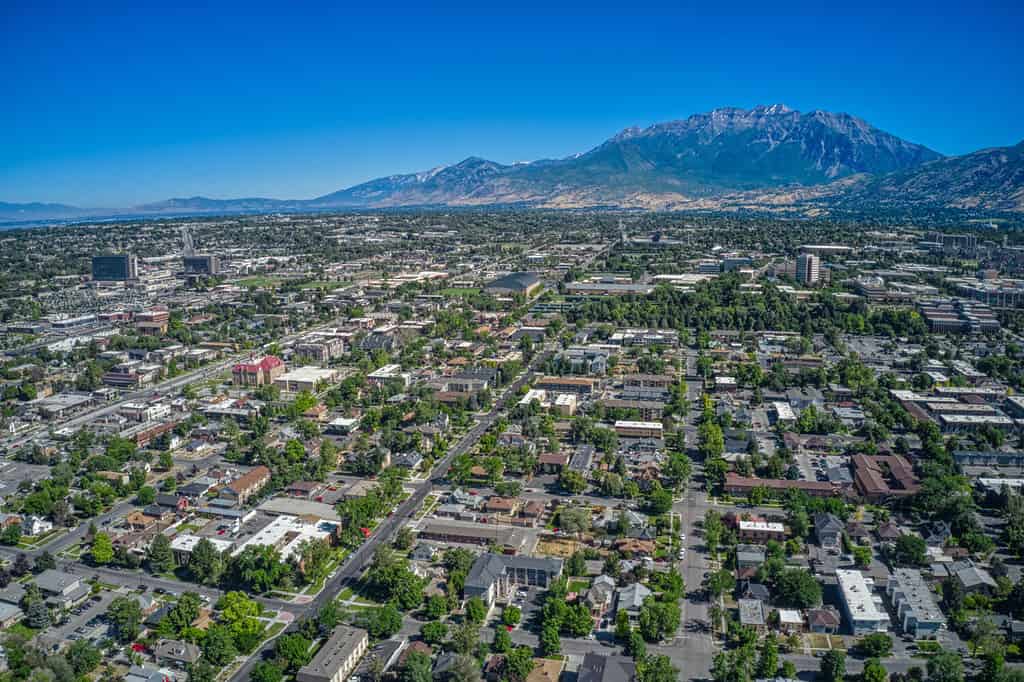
115,268
808,268
201,265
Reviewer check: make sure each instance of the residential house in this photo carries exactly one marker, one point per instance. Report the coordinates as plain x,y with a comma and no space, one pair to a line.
825,620
176,653
631,598
606,668
828,529
752,614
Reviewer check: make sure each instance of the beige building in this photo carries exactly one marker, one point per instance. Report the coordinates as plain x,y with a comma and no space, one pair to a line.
337,657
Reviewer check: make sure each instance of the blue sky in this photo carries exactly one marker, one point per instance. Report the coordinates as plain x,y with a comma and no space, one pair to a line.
110,104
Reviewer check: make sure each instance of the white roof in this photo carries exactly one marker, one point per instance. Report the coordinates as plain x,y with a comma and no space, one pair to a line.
790,616
858,597
186,542
762,526
308,374
286,533
627,424
783,410
386,371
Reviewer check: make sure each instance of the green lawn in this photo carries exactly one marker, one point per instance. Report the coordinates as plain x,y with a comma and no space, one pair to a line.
578,585
322,284
259,281
459,291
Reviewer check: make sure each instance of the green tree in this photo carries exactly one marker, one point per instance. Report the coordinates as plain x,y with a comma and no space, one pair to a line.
768,663
83,657
658,619
266,672
511,615
159,555
911,550
44,562
436,607
476,610
417,668
219,645
434,632
502,643
145,496
292,651
205,563
102,549
382,622
38,615
125,615
876,645
11,535
656,668
946,666
519,663
874,671
798,589
550,643
833,666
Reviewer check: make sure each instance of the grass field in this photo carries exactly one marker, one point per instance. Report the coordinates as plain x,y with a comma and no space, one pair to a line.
259,281
455,292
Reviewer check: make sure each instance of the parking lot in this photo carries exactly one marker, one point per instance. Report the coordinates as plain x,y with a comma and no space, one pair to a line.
82,614
815,467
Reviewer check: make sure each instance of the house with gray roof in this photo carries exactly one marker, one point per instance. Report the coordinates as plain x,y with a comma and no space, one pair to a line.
828,529
631,598
492,576
604,668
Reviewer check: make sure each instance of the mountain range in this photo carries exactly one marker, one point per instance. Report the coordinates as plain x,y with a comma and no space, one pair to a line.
769,158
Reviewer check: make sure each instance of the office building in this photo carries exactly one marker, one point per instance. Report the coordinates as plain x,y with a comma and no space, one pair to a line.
115,268
201,265
808,268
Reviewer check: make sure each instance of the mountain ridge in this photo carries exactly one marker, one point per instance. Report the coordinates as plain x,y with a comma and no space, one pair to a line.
769,156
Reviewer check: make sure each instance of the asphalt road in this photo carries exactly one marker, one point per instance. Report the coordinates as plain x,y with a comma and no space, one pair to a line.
359,559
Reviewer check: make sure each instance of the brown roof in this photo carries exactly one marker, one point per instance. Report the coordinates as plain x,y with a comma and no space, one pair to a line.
824,617
253,478
734,481
884,475
495,503
554,458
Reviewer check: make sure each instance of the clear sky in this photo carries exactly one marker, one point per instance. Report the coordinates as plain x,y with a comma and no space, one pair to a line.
111,105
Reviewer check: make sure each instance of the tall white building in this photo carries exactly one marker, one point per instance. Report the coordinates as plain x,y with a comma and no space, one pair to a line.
808,268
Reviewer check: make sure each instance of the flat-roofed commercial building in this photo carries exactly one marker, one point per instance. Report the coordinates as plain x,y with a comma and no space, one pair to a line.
304,379
115,268
761,531
859,606
636,429
914,602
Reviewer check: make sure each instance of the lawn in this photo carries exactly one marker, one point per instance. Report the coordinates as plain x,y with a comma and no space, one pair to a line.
259,281
578,585
322,284
459,291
